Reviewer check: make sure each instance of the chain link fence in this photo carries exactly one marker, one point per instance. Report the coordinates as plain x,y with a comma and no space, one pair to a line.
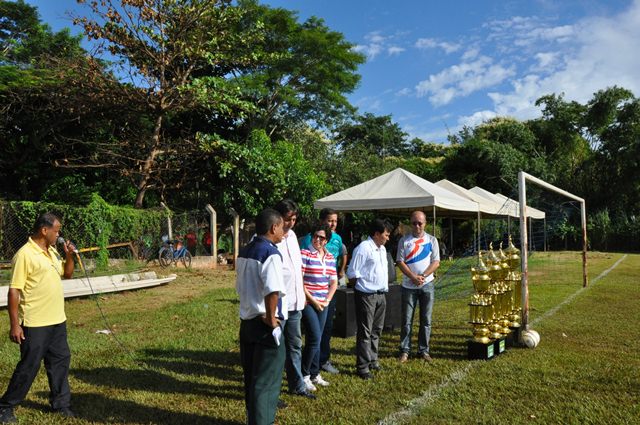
126,233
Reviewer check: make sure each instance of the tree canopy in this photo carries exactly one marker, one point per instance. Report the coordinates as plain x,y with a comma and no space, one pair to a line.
247,104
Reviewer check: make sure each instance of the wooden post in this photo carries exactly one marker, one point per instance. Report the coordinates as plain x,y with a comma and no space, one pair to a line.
169,229
236,236
213,231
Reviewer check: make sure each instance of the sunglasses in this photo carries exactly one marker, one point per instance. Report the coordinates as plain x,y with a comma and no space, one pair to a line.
322,238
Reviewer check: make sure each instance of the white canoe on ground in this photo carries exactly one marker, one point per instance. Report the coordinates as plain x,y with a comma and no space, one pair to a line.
104,284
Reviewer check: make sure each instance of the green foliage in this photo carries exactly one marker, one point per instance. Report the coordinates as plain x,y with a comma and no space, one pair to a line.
97,224
259,173
376,135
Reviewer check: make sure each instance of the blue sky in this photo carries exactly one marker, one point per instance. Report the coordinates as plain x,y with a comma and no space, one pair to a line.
438,65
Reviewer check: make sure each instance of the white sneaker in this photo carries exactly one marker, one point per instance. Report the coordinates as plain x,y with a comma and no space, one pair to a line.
319,381
309,384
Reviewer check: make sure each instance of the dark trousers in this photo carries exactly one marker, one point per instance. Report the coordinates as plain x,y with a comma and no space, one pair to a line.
48,343
262,363
325,343
370,309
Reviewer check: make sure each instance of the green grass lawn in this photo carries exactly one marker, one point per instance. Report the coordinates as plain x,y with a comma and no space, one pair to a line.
179,358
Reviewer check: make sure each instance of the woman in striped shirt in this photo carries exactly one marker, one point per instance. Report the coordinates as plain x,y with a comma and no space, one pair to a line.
320,281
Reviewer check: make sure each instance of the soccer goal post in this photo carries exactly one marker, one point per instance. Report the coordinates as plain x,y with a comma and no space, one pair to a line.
523,178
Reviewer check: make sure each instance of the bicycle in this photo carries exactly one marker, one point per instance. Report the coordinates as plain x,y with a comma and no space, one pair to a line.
169,254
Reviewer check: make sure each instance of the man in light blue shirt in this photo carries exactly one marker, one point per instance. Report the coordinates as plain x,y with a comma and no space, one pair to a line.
368,270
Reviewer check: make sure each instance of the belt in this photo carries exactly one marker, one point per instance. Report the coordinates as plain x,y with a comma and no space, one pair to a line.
372,292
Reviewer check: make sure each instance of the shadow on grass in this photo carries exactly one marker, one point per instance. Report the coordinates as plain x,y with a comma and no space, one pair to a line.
219,364
97,408
147,379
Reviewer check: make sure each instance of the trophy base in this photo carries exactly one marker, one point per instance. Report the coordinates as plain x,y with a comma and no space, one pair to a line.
480,351
500,345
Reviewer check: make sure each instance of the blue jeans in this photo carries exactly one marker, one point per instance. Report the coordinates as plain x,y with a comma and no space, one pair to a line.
325,344
314,321
293,349
410,297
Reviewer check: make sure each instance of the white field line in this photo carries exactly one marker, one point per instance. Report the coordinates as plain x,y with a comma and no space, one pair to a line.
434,391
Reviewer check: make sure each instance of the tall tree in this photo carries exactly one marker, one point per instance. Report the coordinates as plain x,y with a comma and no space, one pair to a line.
308,71
175,54
377,135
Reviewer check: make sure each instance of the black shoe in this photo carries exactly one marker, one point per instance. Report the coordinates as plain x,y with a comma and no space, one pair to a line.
306,394
282,404
365,376
376,367
7,416
66,412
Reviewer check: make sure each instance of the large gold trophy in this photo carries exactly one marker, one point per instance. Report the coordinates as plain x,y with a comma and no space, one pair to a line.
481,307
514,280
495,306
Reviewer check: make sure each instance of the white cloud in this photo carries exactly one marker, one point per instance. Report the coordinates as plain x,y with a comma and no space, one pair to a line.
370,50
476,118
395,50
430,43
463,79
376,43
404,92
603,54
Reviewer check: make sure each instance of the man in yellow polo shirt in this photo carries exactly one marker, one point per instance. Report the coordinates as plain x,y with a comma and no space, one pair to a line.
38,322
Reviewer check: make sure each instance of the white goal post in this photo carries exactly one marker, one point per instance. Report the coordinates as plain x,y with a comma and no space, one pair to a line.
522,189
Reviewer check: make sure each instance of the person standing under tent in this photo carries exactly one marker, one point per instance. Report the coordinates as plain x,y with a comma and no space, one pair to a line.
418,258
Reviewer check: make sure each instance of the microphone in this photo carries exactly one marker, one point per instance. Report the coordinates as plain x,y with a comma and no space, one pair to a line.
61,241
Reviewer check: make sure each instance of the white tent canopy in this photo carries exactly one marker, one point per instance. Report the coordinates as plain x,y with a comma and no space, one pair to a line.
486,205
400,191
531,212
508,206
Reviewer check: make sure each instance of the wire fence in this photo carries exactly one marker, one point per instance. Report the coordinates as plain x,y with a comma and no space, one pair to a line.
126,240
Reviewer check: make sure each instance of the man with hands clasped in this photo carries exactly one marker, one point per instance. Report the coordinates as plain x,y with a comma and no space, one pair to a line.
418,258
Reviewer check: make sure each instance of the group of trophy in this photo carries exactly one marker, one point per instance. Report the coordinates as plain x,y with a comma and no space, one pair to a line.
495,309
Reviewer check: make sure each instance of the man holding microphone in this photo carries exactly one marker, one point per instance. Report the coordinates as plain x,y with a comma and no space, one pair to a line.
37,317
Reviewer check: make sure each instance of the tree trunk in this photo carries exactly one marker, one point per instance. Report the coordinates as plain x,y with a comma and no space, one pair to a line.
149,163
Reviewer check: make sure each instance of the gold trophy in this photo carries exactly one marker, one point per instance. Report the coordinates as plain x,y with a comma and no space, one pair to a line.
481,307
499,326
514,280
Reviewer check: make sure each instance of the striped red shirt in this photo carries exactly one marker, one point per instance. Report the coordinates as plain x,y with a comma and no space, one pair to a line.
318,273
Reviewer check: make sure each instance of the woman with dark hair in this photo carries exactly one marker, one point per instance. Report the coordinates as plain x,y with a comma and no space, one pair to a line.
320,282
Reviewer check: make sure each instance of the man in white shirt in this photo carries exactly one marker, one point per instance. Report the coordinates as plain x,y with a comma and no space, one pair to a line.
263,307
418,258
292,271
368,270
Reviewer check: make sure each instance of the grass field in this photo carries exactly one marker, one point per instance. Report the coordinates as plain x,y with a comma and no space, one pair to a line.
179,360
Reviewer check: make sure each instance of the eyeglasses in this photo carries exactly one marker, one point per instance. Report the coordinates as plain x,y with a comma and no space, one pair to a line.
322,238
417,223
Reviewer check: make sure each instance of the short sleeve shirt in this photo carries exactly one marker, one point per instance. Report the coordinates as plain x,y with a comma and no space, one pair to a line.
259,273
318,273
417,254
38,278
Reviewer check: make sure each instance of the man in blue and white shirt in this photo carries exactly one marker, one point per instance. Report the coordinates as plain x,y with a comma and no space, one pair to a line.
263,305
418,258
